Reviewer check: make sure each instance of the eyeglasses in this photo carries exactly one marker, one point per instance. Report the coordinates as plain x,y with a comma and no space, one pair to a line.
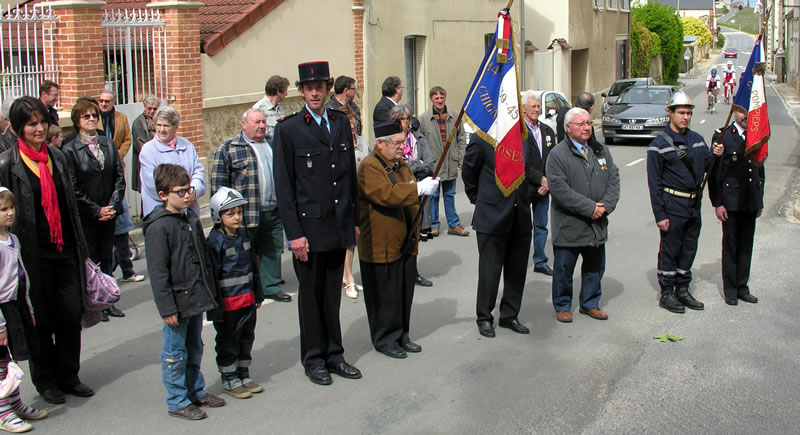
183,192
351,89
397,143
581,124
104,100
90,116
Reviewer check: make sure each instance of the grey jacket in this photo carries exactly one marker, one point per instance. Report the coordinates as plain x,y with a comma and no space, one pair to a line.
576,186
430,128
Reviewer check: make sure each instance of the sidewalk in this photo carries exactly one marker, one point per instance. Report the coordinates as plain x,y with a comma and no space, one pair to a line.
791,101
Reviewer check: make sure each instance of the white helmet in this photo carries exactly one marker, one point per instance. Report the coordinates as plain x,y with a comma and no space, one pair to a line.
224,199
730,62
680,99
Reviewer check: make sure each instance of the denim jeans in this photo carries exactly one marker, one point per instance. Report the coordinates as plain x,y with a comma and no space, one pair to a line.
592,269
540,206
181,354
448,188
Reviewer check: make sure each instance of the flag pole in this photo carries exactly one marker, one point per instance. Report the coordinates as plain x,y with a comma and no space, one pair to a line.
730,113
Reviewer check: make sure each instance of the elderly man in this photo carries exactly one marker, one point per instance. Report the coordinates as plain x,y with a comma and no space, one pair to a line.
388,203
114,124
143,130
233,167
503,224
677,161
436,125
392,91
541,138
584,184
315,178
48,95
8,139
344,89
736,190
276,89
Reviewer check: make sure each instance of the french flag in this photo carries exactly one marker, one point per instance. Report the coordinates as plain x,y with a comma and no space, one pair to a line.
752,98
493,107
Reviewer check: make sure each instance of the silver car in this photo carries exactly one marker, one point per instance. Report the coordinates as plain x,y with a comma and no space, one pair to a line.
640,112
620,85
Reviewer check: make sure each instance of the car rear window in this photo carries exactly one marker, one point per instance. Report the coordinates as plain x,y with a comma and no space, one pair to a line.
644,95
618,87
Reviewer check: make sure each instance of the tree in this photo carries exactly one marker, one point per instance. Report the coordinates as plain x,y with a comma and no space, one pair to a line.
645,45
664,21
695,27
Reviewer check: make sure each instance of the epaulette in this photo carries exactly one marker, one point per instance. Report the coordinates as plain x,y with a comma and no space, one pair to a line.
283,118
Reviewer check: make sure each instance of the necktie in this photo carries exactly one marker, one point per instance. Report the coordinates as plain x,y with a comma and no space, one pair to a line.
586,152
325,133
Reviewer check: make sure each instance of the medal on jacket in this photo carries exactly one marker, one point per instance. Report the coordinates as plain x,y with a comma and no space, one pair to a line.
308,161
603,165
548,141
734,157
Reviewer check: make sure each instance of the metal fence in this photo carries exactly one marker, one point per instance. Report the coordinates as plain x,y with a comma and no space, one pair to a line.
26,50
135,54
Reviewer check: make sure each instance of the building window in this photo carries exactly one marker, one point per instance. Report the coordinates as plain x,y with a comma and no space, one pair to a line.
414,67
599,4
625,5
612,4
622,59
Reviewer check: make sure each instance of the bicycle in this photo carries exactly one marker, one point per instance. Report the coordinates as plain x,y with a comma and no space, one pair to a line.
729,92
712,99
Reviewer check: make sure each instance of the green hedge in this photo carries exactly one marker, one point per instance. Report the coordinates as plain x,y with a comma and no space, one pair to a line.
664,21
645,45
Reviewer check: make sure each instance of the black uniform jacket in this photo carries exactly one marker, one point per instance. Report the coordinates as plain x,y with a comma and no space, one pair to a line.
94,187
537,162
494,213
735,181
315,181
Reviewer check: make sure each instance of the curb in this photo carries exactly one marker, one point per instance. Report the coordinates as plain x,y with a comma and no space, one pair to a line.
796,209
788,108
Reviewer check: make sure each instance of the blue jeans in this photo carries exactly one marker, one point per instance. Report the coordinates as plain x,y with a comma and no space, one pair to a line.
540,206
592,269
448,187
181,354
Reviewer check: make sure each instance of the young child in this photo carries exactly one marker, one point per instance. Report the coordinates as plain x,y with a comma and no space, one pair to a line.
16,318
54,136
239,292
183,289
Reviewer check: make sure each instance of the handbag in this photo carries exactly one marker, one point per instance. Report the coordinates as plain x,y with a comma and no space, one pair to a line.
102,292
13,378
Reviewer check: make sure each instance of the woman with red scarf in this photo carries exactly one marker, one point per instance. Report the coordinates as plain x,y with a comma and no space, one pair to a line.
53,249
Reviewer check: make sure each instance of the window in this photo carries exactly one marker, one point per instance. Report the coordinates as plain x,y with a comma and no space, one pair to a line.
612,4
414,47
599,4
625,5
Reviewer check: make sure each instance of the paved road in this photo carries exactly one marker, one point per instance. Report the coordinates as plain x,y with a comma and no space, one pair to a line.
734,373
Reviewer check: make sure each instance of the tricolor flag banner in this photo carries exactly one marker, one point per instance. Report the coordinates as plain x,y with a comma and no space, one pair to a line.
492,107
751,97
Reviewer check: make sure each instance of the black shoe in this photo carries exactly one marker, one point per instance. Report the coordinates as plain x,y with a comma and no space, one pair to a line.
53,395
114,312
514,325
280,296
749,298
669,302
485,328
80,390
422,281
394,352
345,370
104,317
411,347
731,301
319,376
686,298
544,269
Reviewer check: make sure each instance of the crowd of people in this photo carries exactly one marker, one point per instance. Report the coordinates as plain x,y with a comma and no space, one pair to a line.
309,179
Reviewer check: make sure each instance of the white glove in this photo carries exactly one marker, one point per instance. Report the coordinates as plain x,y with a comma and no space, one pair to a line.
427,186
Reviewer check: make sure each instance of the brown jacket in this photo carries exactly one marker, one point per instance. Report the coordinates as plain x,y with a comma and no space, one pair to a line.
122,133
386,210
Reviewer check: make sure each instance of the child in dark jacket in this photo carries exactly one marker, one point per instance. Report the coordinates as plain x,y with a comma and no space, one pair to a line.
183,289
239,294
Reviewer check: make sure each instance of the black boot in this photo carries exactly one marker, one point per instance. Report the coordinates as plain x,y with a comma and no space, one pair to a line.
687,299
669,302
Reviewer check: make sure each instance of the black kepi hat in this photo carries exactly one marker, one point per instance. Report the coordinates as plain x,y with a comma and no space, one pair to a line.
311,71
388,128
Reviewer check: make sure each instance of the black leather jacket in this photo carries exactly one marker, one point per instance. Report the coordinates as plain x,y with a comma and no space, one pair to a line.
95,188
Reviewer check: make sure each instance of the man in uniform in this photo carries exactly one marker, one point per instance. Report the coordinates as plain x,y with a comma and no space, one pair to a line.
677,161
736,189
388,204
315,179
503,225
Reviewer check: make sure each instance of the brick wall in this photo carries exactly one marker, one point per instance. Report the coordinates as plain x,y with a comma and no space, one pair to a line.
358,41
79,48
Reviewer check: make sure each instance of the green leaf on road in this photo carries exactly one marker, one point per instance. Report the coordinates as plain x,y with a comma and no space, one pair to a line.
668,336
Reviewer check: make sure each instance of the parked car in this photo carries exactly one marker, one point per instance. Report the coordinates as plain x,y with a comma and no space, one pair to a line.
620,85
640,112
730,52
552,102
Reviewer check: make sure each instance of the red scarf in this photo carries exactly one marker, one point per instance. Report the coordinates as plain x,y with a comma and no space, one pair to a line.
49,195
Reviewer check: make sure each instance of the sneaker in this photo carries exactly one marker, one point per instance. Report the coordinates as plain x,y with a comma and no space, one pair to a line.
253,387
12,423
191,412
134,278
458,231
239,392
31,413
210,400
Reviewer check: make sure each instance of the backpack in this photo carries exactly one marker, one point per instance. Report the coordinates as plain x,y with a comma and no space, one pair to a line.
102,291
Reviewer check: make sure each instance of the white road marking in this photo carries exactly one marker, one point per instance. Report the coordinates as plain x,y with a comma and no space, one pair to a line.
702,121
635,162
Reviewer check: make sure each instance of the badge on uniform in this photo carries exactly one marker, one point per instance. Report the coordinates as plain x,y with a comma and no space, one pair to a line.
308,161
549,141
603,165
734,157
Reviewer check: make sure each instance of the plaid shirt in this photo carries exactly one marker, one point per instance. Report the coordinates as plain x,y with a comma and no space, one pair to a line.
235,166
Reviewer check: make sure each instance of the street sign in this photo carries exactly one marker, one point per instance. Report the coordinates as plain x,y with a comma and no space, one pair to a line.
687,54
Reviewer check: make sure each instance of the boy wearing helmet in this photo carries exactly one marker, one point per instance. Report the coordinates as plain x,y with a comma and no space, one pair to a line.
677,161
712,85
238,293
729,79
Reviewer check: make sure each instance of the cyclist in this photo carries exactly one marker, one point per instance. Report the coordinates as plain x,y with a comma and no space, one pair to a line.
712,86
729,79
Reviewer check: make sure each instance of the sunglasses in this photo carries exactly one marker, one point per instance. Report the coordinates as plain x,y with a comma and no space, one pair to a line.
90,116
